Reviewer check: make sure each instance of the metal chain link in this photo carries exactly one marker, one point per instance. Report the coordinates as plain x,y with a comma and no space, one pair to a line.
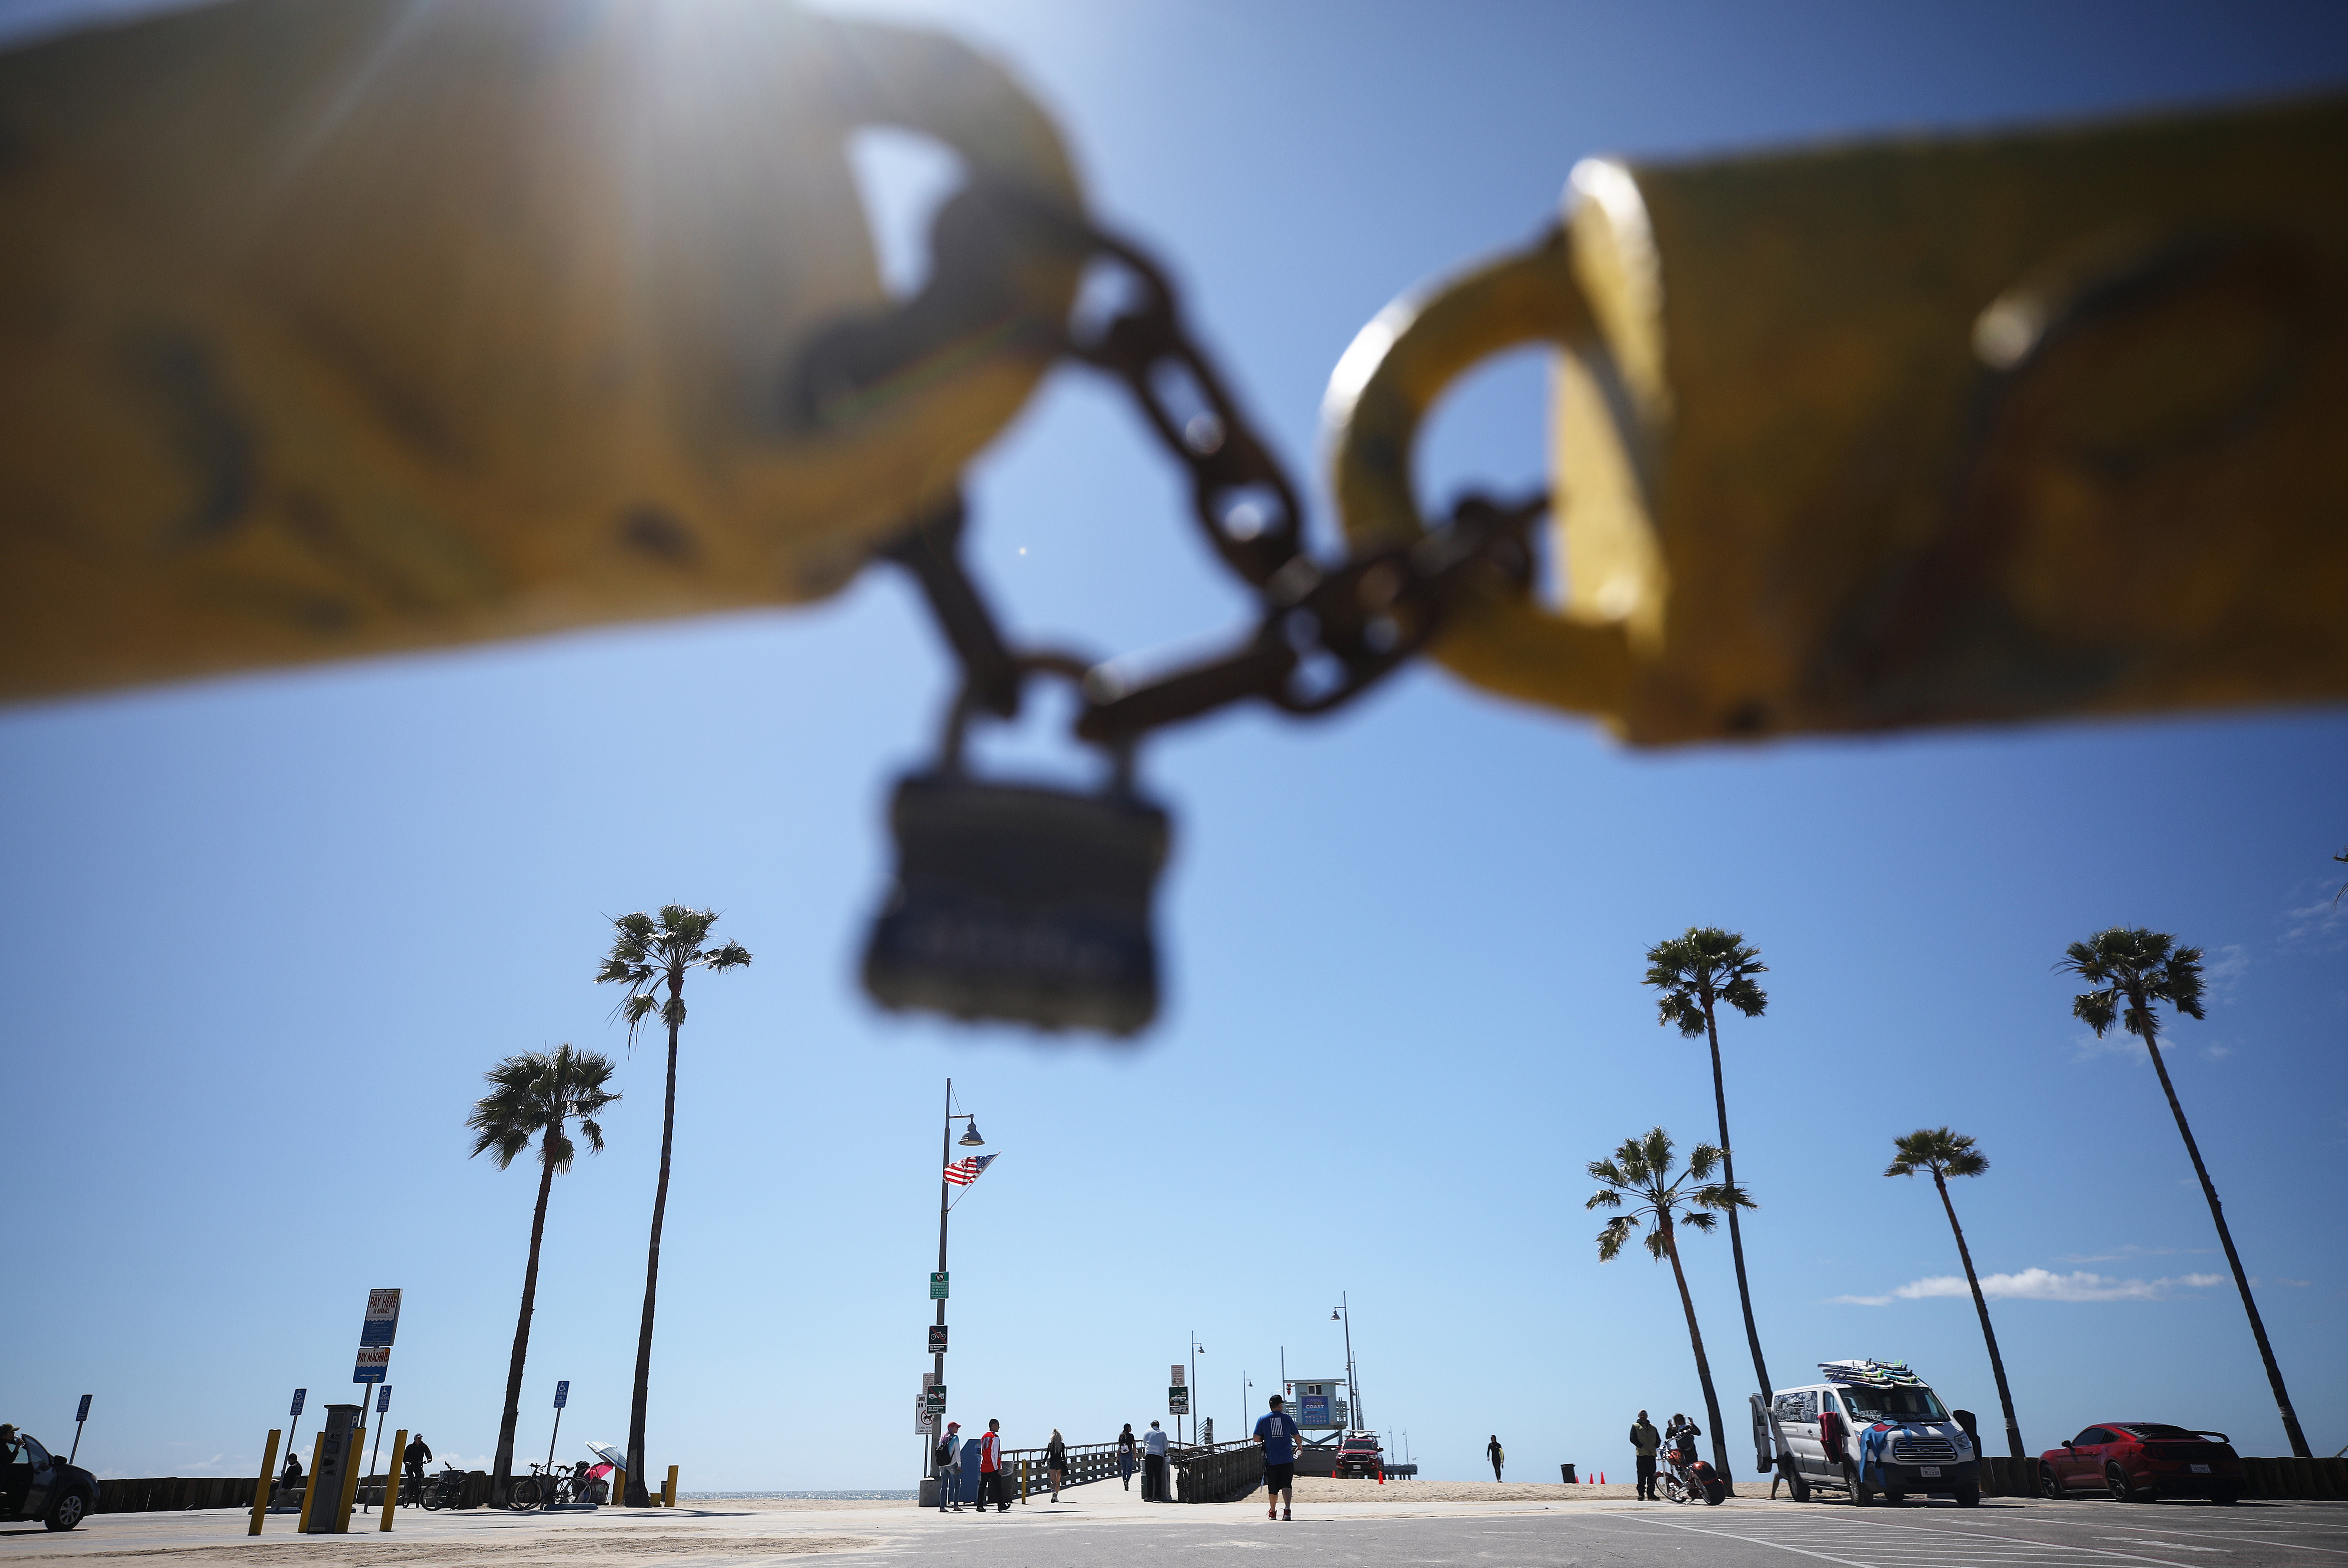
1326,633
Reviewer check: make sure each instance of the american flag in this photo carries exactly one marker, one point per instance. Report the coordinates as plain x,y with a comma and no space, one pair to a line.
965,1170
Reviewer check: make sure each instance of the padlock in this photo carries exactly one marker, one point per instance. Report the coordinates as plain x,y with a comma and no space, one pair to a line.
1020,902
1871,436
333,327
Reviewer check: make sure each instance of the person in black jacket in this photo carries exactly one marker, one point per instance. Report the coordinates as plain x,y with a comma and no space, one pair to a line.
417,1454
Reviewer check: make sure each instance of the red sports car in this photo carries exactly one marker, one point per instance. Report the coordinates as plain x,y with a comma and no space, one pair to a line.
2136,1461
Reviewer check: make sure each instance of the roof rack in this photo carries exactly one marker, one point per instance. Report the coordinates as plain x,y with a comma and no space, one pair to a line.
1869,1373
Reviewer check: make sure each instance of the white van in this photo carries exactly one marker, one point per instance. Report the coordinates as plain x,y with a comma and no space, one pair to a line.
1876,1427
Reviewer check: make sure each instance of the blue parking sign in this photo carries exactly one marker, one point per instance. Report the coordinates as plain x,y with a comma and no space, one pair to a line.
563,1393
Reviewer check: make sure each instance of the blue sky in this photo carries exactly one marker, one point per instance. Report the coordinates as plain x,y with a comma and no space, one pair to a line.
263,934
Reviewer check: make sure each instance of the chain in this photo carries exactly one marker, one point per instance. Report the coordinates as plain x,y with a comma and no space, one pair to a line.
1326,633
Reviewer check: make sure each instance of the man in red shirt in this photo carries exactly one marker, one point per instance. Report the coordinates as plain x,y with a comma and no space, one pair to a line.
991,1478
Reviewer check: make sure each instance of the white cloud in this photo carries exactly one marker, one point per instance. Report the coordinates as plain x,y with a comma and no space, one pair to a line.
2040,1284
2126,1252
2234,962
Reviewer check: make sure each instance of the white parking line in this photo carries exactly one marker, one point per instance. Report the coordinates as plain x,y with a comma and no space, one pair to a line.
1871,1553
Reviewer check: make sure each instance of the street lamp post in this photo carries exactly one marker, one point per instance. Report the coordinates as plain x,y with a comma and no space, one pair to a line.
1344,1311
945,1189
1196,1348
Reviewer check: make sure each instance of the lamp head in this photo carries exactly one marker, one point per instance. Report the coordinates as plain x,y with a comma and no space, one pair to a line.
969,1138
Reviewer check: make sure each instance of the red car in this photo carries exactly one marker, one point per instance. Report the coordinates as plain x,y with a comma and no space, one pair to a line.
1360,1455
2136,1461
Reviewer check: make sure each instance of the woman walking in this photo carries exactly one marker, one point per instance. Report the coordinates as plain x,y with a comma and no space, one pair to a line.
1125,1446
1056,1459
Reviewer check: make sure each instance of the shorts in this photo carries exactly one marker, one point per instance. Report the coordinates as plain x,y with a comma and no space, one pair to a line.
1279,1478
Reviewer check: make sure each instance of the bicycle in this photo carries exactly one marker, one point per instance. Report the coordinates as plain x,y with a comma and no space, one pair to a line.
539,1489
446,1489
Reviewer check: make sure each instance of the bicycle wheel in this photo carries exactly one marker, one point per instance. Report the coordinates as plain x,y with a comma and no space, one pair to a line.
526,1493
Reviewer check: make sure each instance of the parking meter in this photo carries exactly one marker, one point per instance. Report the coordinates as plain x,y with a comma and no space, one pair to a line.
337,1453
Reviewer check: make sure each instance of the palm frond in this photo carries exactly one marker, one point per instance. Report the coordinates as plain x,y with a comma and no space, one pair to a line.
1618,1231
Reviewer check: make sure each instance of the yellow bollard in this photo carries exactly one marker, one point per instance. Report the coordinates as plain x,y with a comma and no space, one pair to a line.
350,1491
261,1489
668,1492
391,1481
310,1491
619,1488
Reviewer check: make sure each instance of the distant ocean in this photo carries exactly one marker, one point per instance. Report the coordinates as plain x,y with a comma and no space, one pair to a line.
815,1496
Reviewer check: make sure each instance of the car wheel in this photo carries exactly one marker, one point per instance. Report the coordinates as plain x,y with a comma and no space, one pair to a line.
2116,1482
1801,1488
1894,1497
1969,1497
66,1513
1861,1494
2050,1485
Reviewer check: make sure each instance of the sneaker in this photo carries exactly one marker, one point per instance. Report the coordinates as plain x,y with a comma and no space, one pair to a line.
1287,1518
1272,1512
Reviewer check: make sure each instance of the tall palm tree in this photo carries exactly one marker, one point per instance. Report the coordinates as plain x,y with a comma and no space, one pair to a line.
1944,1153
1641,1173
648,956
1695,973
535,1095
2131,965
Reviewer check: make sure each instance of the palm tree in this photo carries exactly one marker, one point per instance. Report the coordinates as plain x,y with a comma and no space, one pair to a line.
1641,1172
1944,1153
1695,973
535,1095
2138,967
647,955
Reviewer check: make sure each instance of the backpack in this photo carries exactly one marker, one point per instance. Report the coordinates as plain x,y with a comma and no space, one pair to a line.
945,1453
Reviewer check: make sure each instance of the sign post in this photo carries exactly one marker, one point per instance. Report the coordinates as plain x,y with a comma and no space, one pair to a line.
294,1422
561,1397
83,1414
382,1404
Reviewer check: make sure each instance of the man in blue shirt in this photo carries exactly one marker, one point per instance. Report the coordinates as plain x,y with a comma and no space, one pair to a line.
1153,1465
1278,1435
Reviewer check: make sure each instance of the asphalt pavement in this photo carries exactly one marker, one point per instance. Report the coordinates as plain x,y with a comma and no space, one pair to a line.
1104,1525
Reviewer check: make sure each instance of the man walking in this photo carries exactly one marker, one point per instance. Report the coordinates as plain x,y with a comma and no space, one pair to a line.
1153,1465
991,1482
1497,1454
1644,1441
1278,1435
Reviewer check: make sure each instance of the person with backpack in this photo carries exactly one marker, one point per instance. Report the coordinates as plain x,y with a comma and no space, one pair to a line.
1125,1445
949,1459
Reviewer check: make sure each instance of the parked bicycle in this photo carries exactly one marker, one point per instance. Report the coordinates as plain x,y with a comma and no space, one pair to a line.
536,1489
445,1490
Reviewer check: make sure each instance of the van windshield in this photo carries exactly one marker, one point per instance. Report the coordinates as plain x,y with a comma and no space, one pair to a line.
1912,1404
